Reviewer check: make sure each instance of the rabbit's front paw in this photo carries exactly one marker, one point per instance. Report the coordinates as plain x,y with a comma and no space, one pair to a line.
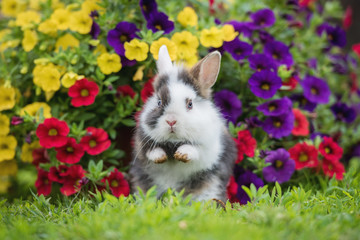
186,153
157,155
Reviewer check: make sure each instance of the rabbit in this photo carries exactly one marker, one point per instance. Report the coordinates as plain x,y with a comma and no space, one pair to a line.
181,140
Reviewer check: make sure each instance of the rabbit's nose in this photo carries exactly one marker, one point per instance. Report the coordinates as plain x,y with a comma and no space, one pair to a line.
171,123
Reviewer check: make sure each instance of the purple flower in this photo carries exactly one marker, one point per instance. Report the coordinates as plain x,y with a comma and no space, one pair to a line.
238,49
312,63
303,102
315,134
123,32
339,63
265,37
95,30
148,7
246,179
262,19
315,89
261,62
336,35
279,52
253,122
264,84
241,27
343,113
229,104
279,126
275,107
281,168
160,21
127,63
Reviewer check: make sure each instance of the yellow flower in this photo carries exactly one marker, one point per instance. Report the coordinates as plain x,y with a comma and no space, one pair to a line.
136,50
186,44
11,8
4,125
229,33
138,76
66,41
7,98
27,19
47,77
61,18
80,22
30,40
109,63
36,4
155,46
70,78
27,150
33,108
212,37
8,168
100,49
4,183
189,61
7,147
49,95
91,5
187,17
48,27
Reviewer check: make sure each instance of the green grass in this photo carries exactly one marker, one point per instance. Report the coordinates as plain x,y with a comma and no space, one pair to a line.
330,212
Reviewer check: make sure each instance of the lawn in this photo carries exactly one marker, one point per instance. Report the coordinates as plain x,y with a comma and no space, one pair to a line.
329,210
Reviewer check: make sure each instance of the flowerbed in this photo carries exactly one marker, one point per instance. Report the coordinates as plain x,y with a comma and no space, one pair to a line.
74,75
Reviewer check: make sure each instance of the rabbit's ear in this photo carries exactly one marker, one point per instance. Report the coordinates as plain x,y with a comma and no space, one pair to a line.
163,63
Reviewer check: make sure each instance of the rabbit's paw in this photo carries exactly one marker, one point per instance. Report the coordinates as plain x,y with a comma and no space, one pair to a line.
157,155
186,153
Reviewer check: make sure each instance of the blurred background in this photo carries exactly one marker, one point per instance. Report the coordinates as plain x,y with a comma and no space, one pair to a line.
353,33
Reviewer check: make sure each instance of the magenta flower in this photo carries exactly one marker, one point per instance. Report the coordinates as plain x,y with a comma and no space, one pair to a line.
281,168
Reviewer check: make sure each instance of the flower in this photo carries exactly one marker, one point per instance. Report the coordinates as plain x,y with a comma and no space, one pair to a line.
7,98
66,41
246,144
229,104
117,184
186,44
52,133
47,77
69,79
246,179
188,17
301,124
261,62
83,93
229,33
262,19
61,18
212,37
264,84
7,147
281,168
147,90
160,21
80,22
238,49
27,19
95,141
136,50
58,174
95,30
70,153
48,27
4,125
356,49
123,32
109,63
16,120
8,168
43,183
30,40
148,7
336,35
330,150
343,113
304,155
231,190
315,89
303,102
330,168
125,90
279,52
27,151
139,74
90,6
171,47
242,28
289,83
279,126
33,110
348,18
72,183
11,8
40,155
275,107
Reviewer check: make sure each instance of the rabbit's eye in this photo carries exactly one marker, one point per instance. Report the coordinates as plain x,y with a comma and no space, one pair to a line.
159,103
189,104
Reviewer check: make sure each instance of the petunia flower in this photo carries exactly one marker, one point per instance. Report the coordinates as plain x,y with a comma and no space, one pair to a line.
303,102
330,150
281,168
70,153
262,19
170,45
40,155
29,41
343,113
95,30
61,18
265,37
316,90
212,37
43,183
290,83
229,104
188,17
336,35
347,18
261,62
264,84
279,52
15,120
83,93
109,63
96,141
279,126
330,168
148,7
246,144
304,155
229,33
58,174
160,21
80,22
123,32
7,98
231,190
125,90
147,90
238,49
52,133
66,41
301,124
275,107
4,125
246,179
73,177
136,50
117,184
7,147
186,44
242,28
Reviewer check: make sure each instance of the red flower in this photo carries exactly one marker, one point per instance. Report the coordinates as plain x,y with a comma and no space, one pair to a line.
71,152
331,168
231,188
356,49
83,93
125,90
290,84
95,141
52,133
305,3
246,144
43,183
354,82
73,177
347,20
40,155
58,174
148,90
330,150
304,156
301,124
117,183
